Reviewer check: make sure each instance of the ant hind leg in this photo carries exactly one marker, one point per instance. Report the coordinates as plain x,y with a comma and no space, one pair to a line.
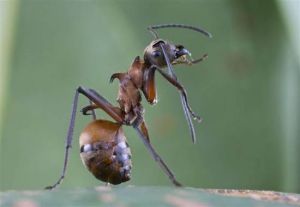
100,102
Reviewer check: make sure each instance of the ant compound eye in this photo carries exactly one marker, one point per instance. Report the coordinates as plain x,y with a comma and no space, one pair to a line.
156,54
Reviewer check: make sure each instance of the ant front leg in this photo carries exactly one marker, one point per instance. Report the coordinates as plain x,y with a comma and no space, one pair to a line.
141,129
182,91
172,78
100,102
185,60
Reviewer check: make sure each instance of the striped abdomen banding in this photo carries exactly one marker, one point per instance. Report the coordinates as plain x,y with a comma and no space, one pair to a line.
122,155
108,161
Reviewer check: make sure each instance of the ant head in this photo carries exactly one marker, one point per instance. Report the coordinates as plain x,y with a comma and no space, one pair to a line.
154,55
159,50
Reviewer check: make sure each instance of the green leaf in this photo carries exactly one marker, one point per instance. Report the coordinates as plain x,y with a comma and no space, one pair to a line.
147,196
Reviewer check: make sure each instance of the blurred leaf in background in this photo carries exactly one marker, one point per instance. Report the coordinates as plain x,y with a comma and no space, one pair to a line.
246,91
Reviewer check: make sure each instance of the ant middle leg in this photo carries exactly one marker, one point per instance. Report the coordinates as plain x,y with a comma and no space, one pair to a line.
100,102
141,129
91,107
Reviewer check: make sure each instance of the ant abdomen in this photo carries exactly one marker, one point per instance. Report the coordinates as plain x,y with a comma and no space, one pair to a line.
105,152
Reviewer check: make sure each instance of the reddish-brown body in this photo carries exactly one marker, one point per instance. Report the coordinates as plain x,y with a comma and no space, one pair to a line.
103,146
138,78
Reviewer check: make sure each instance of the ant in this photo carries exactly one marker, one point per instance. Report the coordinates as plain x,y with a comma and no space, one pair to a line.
103,146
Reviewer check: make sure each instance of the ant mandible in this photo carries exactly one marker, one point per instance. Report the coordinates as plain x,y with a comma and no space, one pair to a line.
103,146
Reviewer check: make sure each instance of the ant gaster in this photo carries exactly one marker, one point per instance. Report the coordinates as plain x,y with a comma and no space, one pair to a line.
103,146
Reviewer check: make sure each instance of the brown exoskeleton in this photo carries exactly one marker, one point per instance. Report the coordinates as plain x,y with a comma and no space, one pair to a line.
103,146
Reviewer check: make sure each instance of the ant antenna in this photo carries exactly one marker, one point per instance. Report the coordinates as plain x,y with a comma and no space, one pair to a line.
183,26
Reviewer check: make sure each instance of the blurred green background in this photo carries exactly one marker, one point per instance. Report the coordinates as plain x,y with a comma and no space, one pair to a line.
246,91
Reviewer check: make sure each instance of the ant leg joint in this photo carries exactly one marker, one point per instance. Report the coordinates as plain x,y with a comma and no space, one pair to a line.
80,89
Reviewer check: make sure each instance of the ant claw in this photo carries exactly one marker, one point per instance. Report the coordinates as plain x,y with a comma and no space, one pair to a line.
85,112
197,118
